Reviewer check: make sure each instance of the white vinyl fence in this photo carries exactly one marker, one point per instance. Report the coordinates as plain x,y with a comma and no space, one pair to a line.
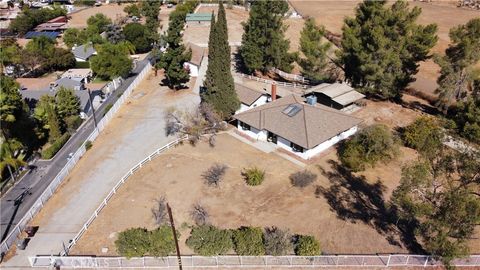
38,205
114,190
284,84
248,261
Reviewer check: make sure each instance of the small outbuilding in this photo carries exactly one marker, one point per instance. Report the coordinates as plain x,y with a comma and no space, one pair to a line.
197,57
250,98
339,96
193,19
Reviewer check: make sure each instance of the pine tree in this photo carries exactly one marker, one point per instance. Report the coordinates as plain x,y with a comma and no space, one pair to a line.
263,42
220,93
458,74
54,131
381,47
314,50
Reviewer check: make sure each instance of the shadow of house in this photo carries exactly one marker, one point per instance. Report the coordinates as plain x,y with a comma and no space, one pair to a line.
354,199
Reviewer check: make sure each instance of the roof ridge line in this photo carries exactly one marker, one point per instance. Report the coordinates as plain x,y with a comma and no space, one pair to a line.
305,123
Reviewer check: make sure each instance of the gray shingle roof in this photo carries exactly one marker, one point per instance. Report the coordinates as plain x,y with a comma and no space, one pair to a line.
309,127
84,51
247,95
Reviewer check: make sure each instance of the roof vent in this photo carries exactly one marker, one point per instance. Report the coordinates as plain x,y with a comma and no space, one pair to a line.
312,100
292,109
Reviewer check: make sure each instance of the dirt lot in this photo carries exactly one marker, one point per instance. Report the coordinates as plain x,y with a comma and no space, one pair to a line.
443,13
112,11
199,34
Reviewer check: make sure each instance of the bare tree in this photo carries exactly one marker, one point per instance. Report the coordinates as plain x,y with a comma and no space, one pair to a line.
199,215
202,122
214,174
159,211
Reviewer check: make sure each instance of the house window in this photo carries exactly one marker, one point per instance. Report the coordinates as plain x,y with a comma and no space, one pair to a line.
296,147
244,126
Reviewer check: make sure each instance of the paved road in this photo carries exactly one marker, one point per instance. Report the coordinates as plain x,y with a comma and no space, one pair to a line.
18,200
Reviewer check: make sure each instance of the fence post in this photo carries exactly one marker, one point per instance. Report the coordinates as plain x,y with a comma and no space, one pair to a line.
388,261
426,261
406,262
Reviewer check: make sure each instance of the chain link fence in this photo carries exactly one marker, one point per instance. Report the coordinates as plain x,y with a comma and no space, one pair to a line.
249,261
38,205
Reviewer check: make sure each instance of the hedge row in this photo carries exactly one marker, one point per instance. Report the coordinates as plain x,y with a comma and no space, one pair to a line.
208,240
138,242
55,147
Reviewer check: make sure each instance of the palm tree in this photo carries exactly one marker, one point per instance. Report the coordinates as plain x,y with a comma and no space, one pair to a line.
10,157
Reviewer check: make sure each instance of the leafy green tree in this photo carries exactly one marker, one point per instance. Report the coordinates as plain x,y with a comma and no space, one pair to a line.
468,120
440,195
115,34
134,242
307,245
458,73
73,36
42,108
10,158
10,53
54,128
248,241
369,146
112,60
315,62
132,10
10,103
424,135
29,18
62,59
67,103
162,242
99,21
263,42
208,240
220,94
42,48
137,35
381,47
151,9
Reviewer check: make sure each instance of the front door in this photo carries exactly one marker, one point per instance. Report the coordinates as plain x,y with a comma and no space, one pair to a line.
272,137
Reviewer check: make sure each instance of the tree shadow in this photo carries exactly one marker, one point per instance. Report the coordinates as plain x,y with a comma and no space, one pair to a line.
353,199
165,82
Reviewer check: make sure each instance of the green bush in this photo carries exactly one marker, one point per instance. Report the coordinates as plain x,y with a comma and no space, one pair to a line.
55,147
162,242
88,145
253,176
424,135
73,122
134,242
208,240
277,242
82,64
107,108
248,241
369,146
307,245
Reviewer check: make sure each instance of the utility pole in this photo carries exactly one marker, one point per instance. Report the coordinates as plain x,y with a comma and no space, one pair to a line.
174,236
93,109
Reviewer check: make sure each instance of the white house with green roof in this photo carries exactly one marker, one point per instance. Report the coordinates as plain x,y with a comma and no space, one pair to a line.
194,19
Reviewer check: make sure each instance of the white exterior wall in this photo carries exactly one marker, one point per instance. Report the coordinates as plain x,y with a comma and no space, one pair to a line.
329,143
79,59
260,101
193,69
260,135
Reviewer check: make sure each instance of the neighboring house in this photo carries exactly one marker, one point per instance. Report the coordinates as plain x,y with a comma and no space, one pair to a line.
58,24
337,95
32,34
250,98
193,19
197,57
296,126
33,96
82,74
83,53
76,84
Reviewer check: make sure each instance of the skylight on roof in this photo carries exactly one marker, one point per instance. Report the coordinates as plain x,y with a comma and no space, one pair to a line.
292,109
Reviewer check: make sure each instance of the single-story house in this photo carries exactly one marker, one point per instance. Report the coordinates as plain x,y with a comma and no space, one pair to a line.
84,74
83,53
197,57
296,126
76,84
337,95
33,96
250,98
198,19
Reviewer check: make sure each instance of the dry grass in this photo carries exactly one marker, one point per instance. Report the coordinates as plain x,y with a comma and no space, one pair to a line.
112,11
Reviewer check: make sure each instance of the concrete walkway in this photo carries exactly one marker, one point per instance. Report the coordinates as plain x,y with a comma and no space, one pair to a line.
138,131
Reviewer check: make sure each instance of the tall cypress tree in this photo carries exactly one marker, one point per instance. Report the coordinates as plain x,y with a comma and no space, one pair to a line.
263,43
219,82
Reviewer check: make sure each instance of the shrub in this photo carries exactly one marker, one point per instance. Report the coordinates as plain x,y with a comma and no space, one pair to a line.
162,242
199,215
214,174
248,241
55,147
134,242
302,178
253,176
424,135
88,145
107,108
374,143
73,122
159,211
307,245
277,242
208,240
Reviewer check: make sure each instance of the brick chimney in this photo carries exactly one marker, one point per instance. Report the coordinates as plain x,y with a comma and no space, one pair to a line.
274,91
